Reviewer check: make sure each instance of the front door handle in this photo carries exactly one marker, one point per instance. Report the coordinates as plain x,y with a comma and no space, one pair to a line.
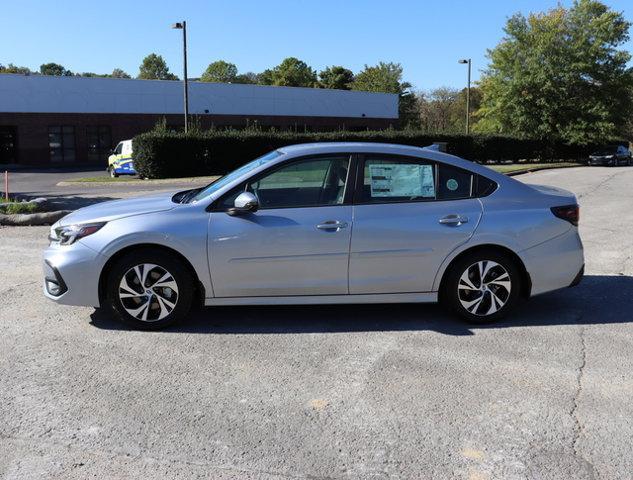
331,225
454,220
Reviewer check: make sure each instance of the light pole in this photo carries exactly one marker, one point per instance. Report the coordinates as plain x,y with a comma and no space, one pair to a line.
467,61
183,26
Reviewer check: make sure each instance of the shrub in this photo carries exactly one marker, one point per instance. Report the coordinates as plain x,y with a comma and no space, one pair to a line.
161,153
18,207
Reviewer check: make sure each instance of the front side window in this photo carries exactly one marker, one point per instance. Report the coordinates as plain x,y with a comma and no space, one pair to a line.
305,183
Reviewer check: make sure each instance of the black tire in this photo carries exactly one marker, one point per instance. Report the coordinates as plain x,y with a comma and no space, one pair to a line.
113,174
450,294
178,294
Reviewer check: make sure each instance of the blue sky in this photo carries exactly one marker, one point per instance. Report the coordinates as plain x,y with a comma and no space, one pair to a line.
426,37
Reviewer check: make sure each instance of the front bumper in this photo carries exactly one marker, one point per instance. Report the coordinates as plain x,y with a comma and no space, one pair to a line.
71,274
603,161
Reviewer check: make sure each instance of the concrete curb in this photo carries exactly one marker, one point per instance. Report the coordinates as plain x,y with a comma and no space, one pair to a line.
32,219
538,169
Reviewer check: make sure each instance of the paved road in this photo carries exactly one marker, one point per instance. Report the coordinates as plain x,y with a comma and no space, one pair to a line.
338,392
45,182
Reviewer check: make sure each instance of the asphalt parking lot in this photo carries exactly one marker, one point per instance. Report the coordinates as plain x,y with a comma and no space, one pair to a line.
63,191
336,392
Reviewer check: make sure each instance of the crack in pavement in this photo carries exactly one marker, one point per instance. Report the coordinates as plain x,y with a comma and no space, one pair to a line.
597,187
578,426
579,375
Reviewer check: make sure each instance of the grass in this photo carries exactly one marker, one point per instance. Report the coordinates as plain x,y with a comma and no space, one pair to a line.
135,179
526,167
18,207
103,179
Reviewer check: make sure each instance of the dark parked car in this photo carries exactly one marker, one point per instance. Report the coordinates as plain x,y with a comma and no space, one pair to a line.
612,156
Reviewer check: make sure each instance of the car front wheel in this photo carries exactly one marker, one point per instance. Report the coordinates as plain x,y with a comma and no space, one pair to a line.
482,287
149,289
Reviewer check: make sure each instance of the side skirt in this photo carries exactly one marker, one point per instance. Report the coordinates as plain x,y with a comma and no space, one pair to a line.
423,297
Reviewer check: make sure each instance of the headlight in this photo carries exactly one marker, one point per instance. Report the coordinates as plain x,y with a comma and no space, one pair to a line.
69,234
610,156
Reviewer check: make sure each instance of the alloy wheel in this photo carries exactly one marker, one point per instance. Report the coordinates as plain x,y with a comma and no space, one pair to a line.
148,292
484,288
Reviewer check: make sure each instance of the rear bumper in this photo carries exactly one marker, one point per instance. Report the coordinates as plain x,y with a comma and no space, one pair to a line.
556,263
578,278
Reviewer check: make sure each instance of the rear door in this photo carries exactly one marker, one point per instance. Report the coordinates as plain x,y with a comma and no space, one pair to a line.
409,215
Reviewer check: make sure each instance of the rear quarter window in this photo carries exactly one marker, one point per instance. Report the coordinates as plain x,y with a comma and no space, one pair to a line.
454,183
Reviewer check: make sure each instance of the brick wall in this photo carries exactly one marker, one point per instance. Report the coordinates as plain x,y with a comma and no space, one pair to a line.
32,128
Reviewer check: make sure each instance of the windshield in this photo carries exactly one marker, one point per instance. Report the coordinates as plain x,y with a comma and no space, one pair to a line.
607,151
229,177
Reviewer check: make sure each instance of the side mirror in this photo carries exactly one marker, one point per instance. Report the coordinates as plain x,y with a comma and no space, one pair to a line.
244,203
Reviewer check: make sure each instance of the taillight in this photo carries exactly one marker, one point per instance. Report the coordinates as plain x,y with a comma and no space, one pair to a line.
571,213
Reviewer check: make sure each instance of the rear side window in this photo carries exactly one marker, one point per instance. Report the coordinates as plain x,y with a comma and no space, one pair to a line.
406,179
397,180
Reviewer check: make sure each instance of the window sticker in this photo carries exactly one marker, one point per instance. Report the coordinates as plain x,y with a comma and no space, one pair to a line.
452,184
402,180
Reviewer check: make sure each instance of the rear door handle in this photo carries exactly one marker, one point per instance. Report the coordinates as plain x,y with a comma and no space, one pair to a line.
454,220
331,225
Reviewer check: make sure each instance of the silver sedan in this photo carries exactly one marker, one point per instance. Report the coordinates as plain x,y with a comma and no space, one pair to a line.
317,224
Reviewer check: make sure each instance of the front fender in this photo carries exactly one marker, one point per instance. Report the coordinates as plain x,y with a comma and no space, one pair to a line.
184,232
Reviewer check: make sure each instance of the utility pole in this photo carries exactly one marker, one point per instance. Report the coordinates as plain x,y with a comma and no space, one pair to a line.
183,26
469,62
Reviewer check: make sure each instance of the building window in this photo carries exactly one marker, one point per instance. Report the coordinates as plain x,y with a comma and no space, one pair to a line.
61,143
99,143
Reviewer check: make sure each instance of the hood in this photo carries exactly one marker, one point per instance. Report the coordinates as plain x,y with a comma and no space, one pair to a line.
115,209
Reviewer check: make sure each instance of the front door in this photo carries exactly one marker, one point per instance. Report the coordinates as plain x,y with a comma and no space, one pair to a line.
297,243
409,215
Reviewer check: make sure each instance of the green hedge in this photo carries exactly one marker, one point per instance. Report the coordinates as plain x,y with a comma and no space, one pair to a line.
163,154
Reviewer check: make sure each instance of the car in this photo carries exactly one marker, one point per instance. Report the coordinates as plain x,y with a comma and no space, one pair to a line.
120,162
613,156
324,223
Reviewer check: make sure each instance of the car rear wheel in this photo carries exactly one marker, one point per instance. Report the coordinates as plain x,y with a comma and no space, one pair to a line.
482,287
113,174
149,289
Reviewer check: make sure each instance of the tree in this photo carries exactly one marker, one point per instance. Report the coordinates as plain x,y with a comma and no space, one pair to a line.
559,75
443,110
336,77
266,77
387,77
248,77
292,72
220,72
118,73
154,67
54,69
384,77
10,68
